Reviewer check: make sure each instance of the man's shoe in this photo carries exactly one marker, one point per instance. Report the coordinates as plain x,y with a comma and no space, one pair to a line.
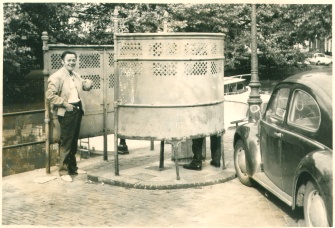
66,178
73,173
193,166
122,149
123,152
217,165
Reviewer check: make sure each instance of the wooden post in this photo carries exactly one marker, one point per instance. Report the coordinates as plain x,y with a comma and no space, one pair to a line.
165,16
46,61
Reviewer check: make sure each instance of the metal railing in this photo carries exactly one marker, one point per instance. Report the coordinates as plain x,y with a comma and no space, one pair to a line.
20,114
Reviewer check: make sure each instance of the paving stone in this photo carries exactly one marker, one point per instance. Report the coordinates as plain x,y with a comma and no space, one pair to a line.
86,203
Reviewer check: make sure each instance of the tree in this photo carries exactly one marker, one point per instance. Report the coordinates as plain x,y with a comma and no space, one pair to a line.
23,26
311,21
133,18
231,19
280,27
17,56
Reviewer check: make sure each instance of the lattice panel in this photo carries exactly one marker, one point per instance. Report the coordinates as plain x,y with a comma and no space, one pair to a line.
95,79
130,68
164,69
170,48
197,48
195,68
56,61
131,49
156,49
128,72
217,48
89,61
216,67
160,49
111,81
111,59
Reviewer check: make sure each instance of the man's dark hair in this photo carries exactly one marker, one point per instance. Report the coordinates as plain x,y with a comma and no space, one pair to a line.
68,53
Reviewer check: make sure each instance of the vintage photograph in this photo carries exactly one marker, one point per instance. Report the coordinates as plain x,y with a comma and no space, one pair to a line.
171,114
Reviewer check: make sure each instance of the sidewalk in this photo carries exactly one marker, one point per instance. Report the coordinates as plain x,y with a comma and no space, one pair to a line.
140,168
35,198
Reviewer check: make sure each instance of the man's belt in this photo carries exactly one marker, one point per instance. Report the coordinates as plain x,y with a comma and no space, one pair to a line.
77,105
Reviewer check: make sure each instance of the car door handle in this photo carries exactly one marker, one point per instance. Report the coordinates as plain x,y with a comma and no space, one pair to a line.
278,134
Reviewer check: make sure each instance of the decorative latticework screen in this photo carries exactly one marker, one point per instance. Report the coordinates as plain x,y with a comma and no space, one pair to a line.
97,64
170,85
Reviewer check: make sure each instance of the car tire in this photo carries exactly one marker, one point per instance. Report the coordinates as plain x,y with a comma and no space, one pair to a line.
314,207
240,163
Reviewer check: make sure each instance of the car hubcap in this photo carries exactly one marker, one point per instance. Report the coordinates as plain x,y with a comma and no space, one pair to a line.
241,160
316,210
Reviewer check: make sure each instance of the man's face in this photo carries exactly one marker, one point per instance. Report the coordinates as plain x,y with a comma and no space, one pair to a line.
69,62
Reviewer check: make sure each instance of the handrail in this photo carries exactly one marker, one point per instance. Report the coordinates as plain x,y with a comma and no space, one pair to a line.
169,105
23,144
239,76
23,112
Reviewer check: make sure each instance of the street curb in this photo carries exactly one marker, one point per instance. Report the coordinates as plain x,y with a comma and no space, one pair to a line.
227,176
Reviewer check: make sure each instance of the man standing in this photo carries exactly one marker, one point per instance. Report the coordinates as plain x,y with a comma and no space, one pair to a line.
64,92
196,163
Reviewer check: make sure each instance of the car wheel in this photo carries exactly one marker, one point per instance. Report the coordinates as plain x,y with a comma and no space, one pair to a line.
314,207
240,163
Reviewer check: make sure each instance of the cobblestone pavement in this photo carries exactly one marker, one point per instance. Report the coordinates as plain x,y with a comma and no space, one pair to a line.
86,203
83,203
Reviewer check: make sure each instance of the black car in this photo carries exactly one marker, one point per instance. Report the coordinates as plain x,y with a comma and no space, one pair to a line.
289,151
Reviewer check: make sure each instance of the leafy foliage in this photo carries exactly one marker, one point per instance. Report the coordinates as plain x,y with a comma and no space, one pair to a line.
280,27
23,25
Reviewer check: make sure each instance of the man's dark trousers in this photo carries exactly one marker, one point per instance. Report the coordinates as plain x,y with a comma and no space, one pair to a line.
215,149
70,127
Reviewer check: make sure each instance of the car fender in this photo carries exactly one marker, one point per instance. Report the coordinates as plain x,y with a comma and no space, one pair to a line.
318,165
248,133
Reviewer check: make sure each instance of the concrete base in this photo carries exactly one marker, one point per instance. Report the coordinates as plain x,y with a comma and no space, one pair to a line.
140,169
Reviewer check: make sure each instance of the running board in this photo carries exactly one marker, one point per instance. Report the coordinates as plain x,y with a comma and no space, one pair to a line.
263,180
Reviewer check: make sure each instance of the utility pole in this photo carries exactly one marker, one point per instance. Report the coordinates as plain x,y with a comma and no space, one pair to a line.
254,97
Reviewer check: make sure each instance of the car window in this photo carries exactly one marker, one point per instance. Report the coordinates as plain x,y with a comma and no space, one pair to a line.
277,106
304,111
